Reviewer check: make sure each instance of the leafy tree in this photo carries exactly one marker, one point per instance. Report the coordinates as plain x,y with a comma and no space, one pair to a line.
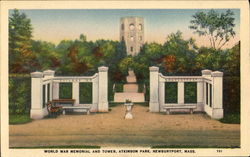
219,28
20,33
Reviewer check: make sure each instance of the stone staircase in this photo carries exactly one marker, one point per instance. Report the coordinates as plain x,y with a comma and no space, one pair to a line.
130,90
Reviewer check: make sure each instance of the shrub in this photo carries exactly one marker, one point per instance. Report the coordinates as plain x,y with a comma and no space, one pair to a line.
171,92
85,92
19,94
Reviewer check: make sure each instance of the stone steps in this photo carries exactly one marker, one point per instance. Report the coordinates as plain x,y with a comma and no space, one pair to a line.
128,88
131,79
134,97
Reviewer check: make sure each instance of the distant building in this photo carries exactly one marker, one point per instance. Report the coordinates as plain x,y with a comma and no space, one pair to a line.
132,32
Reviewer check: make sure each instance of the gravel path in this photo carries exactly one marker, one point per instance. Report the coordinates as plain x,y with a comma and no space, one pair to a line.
111,129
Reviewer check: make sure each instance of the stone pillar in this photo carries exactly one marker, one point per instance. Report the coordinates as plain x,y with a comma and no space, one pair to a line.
206,74
37,111
103,89
49,74
200,96
180,92
154,89
161,94
75,91
217,98
94,107
55,90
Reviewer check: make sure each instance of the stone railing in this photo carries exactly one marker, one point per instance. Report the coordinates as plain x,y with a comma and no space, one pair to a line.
209,91
45,87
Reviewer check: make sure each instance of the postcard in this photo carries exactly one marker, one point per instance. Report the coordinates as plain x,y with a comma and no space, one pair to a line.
125,78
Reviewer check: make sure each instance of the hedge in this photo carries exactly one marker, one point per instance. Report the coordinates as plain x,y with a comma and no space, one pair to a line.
19,94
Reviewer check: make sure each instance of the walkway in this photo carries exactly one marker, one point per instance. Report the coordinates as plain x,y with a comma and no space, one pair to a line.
111,129
130,90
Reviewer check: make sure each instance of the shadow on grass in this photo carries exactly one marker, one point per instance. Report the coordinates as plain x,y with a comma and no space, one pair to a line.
58,147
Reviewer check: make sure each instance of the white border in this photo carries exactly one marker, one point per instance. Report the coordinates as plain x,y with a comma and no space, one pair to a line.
245,68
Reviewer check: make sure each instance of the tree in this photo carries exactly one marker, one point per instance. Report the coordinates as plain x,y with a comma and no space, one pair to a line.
20,34
219,28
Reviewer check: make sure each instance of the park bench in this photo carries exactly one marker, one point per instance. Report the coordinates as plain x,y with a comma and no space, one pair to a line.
84,108
57,102
177,106
55,106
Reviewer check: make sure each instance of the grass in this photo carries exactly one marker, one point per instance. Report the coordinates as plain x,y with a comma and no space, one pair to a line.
19,119
231,118
58,147
191,146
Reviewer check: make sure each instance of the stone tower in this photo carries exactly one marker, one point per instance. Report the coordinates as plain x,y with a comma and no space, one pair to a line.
132,32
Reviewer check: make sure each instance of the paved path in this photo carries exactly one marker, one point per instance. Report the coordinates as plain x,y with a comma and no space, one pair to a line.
111,129
130,90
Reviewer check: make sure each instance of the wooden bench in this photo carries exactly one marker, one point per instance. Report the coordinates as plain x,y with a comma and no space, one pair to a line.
85,108
168,107
60,101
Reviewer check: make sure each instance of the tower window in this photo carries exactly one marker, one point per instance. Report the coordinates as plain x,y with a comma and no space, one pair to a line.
131,49
140,38
122,38
132,38
140,26
122,26
131,26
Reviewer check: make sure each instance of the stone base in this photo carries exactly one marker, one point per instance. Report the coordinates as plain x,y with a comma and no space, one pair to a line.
103,107
38,113
217,113
128,115
154,107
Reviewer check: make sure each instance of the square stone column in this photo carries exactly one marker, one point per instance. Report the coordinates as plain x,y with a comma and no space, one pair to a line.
75,91
200,96
180,92
103,89
217,98
49,74
161,94
154,89
37,111
55,91
94,107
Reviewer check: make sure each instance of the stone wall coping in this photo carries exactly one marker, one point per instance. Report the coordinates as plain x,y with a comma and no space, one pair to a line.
103,69
153,68
206,72
49,72
217,74
36,74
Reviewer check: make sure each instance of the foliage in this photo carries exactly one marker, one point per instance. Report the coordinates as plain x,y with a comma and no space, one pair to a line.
85,94
171,92
19,118
19,94
190,92
65,90
119,87
217,27
231,94
20,33
231,119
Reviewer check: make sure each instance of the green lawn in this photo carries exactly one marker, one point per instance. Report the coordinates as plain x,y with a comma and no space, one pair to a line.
191,146
231,119
59,147
19,119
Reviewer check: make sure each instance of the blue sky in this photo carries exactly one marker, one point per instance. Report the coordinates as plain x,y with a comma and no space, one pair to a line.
57,25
